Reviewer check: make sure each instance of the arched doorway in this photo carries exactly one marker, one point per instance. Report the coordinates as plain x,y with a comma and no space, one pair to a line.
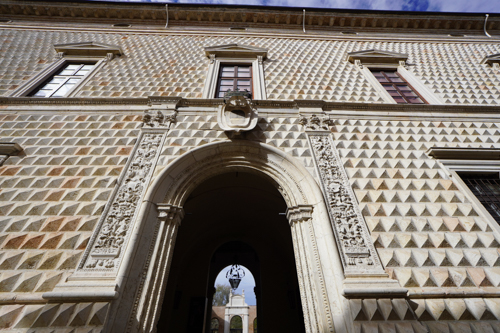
162,216
236,325
233,217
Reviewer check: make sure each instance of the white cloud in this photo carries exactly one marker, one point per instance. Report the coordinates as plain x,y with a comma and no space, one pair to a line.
480,6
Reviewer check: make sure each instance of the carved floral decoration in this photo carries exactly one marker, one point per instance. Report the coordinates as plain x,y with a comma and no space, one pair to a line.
114,230
346,218
156,118
315,123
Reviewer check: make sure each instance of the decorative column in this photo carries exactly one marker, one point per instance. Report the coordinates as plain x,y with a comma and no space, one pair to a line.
317,317
245,322
111,247
363,270
227,321
152,286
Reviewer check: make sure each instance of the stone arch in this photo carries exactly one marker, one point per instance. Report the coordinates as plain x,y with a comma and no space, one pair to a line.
177,181
303,198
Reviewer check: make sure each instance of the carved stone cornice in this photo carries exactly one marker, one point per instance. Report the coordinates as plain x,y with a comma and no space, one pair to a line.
244,16
236,51
374,56
72,101
171,103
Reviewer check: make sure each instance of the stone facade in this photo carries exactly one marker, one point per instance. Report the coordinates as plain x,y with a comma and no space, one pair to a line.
386,237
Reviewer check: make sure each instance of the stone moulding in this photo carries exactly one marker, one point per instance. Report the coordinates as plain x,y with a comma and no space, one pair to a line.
325,106
236,51
493,59
114,230
91,49
373,56
8,149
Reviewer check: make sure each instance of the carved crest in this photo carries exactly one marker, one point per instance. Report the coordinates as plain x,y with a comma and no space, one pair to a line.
238,114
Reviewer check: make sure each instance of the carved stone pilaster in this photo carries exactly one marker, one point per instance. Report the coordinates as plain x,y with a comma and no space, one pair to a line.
357,251
106,249
353,239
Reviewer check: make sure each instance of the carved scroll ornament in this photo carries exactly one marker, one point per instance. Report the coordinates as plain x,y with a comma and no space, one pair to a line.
358,252
109,241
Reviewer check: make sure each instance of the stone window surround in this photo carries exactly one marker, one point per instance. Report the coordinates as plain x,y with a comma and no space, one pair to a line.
236,54
493,60
473,160
86,52
415,83
54,68
367,60
259,88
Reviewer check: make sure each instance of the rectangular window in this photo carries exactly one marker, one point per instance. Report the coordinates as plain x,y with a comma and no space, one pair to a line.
63,81
397,87
232,77
486,188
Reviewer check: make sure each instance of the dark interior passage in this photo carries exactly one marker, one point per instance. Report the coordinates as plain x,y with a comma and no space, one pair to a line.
233,214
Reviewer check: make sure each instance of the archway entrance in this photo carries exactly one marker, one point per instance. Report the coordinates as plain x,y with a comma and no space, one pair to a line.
233,215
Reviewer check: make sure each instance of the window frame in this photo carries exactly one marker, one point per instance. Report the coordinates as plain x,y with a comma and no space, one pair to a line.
396,84
220,78
367,60
236,54
466,161
50,71
412,81
258,84
66,78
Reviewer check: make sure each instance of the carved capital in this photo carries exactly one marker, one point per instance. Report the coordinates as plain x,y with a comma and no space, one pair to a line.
157,119
299,213
315,123
170,213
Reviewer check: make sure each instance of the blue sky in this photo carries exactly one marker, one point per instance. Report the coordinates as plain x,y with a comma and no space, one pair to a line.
470,6
247,284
